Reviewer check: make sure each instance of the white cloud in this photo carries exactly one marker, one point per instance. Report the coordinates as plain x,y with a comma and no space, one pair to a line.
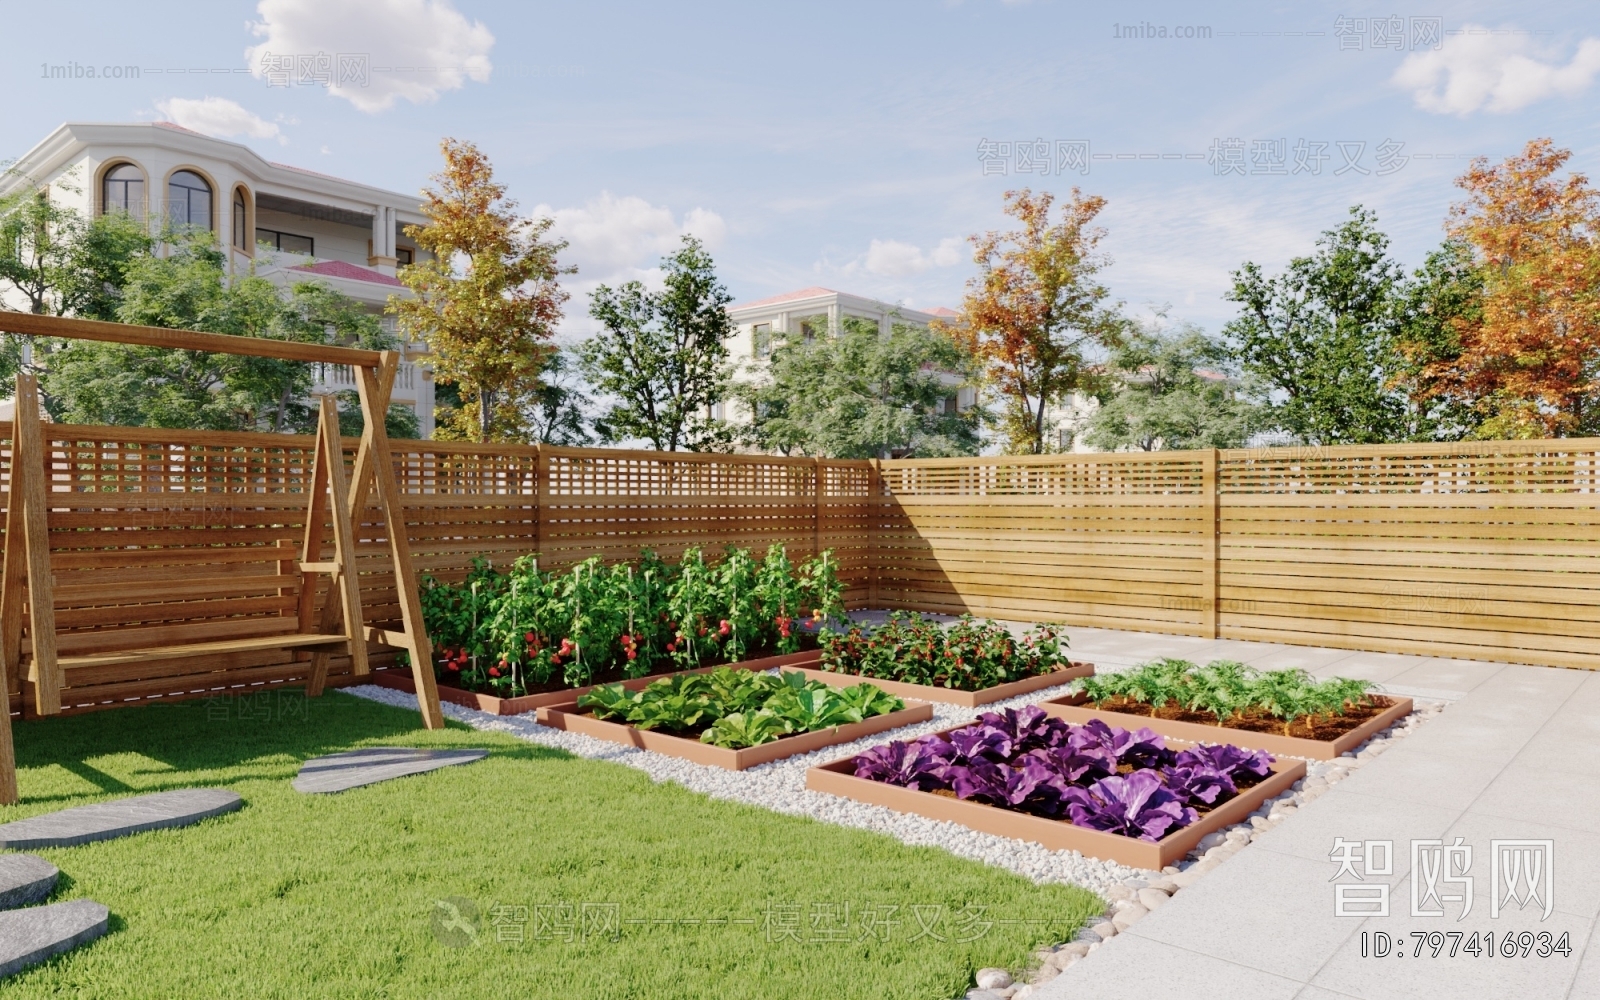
1494,71
894,259
218,116
415,49
619,239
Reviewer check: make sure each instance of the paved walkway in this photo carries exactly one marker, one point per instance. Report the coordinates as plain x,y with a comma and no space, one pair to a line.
1513,757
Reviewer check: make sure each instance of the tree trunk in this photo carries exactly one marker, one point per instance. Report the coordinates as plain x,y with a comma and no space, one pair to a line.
484,398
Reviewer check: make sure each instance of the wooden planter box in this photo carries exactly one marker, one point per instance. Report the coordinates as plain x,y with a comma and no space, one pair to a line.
567,717
1070,710
950,696
838,778
400,680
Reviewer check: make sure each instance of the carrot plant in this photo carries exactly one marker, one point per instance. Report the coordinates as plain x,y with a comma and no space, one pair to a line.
1231,691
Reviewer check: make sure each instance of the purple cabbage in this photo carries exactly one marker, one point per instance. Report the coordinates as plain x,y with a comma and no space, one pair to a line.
1137,805
1075,764
974,743
1144,748
1234,762
1198,784
919,764
1026,728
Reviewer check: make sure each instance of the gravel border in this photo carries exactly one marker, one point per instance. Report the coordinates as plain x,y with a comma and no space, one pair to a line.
780,786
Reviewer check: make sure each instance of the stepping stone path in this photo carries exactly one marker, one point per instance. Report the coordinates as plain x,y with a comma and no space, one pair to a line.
28,937
107,820
367,766
25,879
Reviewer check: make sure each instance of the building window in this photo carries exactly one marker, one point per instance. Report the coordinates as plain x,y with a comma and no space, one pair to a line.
811,329
241,236
761,339
123,191
404,256
287,242
188,201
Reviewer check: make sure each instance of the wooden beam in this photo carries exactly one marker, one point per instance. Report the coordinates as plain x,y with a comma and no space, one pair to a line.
27,456
374,389
12,593
348,580
32,325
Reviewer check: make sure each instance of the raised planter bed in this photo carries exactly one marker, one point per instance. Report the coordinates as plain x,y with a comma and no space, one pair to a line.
950,696
570,718
400,680
838,778
1071,709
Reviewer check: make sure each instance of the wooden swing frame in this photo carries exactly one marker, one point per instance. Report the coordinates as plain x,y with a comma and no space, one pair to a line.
27,578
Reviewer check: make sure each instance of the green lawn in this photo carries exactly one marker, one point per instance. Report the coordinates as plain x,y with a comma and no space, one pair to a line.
301,896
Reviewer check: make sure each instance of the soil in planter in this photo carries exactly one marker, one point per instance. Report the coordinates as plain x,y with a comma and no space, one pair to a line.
691,734
611,675
1321,727
937,682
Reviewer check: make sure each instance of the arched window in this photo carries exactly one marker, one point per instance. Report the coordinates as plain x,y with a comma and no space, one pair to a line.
241,235
123,190
188,201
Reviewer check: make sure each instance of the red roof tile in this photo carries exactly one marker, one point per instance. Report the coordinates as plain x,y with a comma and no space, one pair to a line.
341,269
804,293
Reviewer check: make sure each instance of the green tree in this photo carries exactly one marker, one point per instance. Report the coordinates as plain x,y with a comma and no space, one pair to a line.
1441,297
557,411
1173,389
864,395
1323,336
487,301
663,356
187,288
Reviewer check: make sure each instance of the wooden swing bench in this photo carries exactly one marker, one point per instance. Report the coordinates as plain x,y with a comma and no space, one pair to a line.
146,614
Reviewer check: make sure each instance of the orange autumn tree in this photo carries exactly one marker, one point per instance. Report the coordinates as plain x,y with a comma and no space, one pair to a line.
1529,360
488,301
1035,309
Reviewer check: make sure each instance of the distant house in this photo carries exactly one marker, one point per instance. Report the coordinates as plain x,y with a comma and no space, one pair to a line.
815,312
285,223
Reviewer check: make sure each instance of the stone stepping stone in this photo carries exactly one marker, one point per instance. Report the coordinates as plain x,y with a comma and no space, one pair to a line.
108,820
30,936
24,879
369,765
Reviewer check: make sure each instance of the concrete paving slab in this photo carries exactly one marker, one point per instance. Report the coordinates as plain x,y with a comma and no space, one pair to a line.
35,934
1411,775
1448,675
1133,966
1564,799
118,818
1312,831
1419,975
1301,898
342,771
1575,866
25,879
1586,985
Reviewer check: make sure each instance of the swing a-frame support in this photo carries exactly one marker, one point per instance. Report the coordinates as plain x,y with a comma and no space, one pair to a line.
28,580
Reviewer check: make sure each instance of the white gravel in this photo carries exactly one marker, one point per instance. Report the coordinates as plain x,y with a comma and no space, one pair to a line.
780,786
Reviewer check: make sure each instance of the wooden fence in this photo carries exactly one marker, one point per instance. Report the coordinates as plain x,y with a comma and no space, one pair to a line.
1488,551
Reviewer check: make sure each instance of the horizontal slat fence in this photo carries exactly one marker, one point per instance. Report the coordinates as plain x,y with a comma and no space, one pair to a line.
1488,550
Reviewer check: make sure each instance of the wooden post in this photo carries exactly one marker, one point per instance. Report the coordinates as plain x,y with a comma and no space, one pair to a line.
374,387
816,515
1211,615
875,519
28,471
12,589
346,584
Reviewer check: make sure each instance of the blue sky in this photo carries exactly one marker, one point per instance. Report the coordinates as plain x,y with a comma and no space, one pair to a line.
838,144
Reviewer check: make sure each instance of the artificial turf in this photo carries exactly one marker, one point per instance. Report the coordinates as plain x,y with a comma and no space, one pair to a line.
588,879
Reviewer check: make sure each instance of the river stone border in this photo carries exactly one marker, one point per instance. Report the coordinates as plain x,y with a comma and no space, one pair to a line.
30,936
118,818
339,772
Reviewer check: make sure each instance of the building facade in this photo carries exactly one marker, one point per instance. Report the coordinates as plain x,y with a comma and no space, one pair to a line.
820,312
283,223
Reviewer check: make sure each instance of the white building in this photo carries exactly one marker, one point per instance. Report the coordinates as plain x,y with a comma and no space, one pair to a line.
820,312
283,223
